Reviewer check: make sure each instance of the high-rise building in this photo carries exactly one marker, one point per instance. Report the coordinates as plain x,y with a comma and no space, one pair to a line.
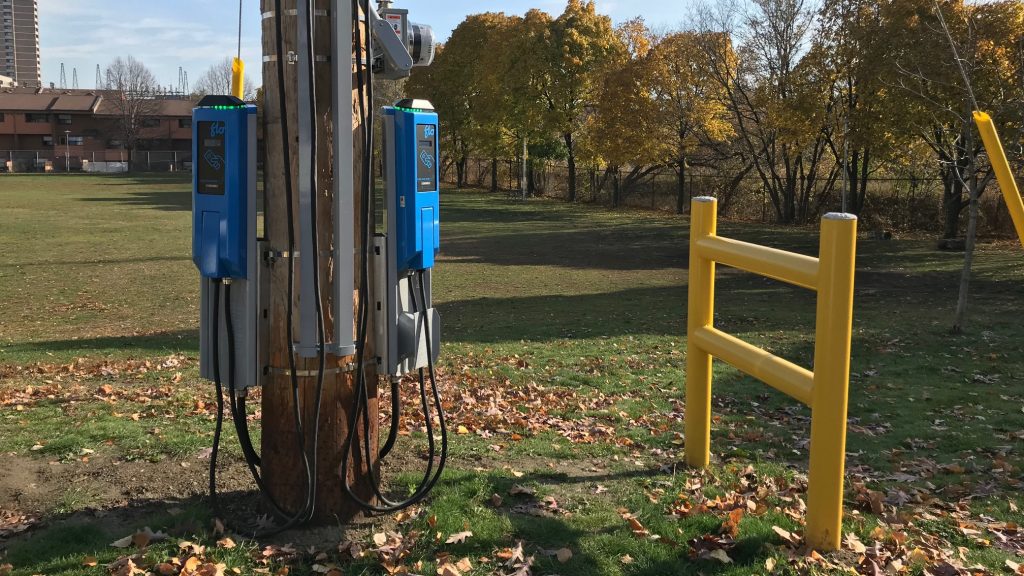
19,42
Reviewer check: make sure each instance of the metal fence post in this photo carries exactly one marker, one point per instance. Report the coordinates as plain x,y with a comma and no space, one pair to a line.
831,381
700,313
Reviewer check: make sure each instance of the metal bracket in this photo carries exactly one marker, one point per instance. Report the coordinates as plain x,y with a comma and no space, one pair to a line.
293,12
348,367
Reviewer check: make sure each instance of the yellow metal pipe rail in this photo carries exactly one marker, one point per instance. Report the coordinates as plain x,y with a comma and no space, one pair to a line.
777,264
825,390
779,373
238,78
1001,166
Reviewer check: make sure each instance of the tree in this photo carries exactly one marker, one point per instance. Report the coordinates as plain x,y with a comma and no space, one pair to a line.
132,88
774,99
217,80
689,103
580,48
849,51
935,101
941,93
445,84
620,132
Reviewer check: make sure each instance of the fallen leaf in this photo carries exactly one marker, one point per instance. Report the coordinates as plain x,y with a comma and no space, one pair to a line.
769,564
520,489
786,535
90,561
464,565
458,537
191,564
718,554
563,555
226,543
854,543
462,430
380,539
5,569
626,559
496,500
448,569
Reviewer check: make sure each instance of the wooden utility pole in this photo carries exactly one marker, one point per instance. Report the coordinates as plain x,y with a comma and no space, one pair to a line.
282,467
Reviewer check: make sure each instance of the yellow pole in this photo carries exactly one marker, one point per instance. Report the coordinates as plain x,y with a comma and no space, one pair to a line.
700,314
238,78
831,381
1004,175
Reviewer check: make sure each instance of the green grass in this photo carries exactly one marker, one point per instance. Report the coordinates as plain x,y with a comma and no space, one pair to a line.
539,298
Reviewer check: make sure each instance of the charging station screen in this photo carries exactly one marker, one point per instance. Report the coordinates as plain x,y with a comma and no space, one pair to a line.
426,152
211,159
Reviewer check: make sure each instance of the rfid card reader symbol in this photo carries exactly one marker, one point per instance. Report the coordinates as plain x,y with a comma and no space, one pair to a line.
213,159
427,159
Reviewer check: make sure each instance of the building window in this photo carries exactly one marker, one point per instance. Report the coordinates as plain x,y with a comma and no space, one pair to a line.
72,140
37,117
64,119
2,118
182,122
150,122
47,140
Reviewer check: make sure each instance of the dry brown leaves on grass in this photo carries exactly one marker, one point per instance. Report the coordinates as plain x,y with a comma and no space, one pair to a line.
74,382
12,523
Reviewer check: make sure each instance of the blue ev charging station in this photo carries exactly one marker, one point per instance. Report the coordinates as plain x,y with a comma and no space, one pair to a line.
224,243
405,251
234,262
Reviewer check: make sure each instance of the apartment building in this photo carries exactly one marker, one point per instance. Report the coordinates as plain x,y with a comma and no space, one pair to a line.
67,127
19,42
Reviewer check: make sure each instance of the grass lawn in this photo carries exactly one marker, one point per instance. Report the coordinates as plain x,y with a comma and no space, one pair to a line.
563,370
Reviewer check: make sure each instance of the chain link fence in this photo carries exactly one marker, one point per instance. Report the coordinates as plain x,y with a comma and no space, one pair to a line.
891,203
57,160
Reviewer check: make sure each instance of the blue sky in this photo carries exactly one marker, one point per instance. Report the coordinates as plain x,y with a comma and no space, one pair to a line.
194,34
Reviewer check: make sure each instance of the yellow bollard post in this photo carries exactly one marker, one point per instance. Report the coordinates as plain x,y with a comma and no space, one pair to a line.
831,381
238,78
700,313
997,157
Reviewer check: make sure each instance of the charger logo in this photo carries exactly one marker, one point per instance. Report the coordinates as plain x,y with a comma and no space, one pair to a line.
218,129
428,131
213,159
426,159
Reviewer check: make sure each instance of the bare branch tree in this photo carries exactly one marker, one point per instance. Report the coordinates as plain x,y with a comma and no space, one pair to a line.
217,80
132,89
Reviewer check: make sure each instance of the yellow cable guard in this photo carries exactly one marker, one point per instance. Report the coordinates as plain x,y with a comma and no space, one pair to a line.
1004,175
826,390
238,78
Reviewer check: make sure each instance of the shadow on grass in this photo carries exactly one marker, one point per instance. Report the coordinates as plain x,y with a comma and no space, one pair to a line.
86,262
148,344
636,311
168,200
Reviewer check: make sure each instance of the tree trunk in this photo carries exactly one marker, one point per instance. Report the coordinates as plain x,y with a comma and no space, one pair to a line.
960,318
531,187
460,172
952,203
494,174
616,188
281,464
681,184
572,165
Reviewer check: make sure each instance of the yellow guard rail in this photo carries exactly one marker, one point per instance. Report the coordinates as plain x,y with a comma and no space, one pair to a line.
825,390
1001,166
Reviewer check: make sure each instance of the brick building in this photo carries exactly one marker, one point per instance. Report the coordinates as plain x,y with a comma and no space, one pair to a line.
41,128
19,42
